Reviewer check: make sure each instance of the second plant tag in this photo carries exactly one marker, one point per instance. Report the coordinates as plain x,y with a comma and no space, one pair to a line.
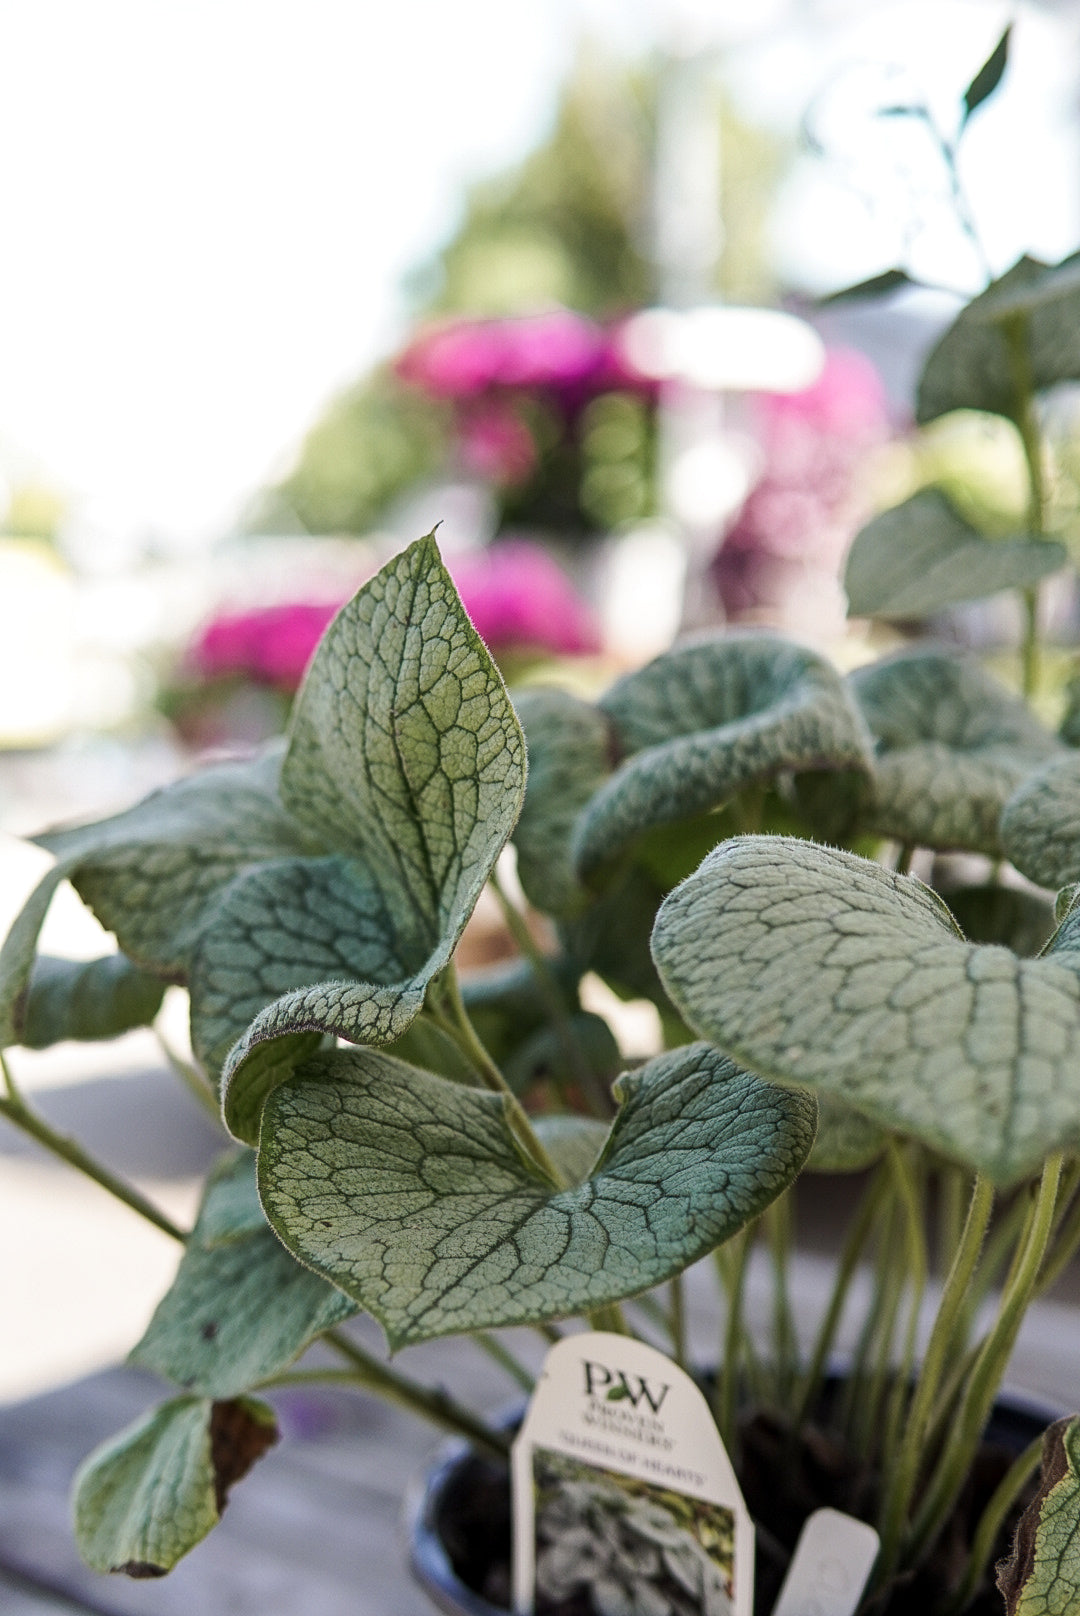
623,1492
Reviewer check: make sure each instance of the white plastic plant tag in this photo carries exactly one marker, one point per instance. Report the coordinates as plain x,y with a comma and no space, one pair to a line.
830,1568
623,1491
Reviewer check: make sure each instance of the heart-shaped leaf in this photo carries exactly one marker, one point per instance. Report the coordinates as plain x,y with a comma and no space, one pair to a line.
147,1496
86,999
972,366
816,967
240,1308
1040,824
405,755
704,720
413,1196
922,555
571,754
1041,1577
952,746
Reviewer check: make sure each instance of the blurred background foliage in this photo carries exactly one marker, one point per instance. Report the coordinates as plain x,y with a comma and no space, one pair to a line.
569,227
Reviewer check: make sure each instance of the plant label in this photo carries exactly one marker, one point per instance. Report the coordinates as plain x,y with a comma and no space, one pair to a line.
623,1491
833,1559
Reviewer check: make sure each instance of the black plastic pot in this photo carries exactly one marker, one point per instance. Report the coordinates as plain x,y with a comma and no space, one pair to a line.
458,1515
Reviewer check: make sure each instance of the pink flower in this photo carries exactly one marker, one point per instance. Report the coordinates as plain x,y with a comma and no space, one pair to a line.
271,645
496,444
516,595
556,351
519,598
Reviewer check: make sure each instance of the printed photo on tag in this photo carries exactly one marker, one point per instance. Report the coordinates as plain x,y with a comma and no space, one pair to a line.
625,1500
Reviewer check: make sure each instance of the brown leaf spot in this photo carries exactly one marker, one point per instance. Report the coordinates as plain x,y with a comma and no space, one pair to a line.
240,1433
140,1568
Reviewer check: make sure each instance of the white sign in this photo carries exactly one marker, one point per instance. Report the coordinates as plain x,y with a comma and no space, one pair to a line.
620,1479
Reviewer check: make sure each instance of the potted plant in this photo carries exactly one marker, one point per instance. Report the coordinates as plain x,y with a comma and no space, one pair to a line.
728,832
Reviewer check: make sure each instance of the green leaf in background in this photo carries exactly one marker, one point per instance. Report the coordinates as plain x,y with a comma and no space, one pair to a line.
890,280
846,1141
413,1196
1041,1577
543,1055
816,967
988,77
240,1308
922,555
405,754
972,366
700,722
1021,920
952,745
571,753
1040,824
147,1496
150,874
86,999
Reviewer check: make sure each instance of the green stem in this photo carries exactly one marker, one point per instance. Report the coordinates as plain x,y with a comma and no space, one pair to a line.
595,1092
910,1190
859,1232
501,1354
1066,1245
677,1297
986,1375
196,1083
731,1265
954,1192
456,1022
905,1474
904,858
1016,330
866,1423
778,1227
430,1403
17,1112
991,1521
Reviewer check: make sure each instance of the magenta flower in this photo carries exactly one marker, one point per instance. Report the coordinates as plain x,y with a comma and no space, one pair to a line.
557,351
495,443
517,596
270,645
802,514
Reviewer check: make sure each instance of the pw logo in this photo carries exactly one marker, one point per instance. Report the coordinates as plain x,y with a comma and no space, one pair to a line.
615,1386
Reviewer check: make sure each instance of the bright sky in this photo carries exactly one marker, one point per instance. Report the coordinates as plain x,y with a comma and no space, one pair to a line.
209,204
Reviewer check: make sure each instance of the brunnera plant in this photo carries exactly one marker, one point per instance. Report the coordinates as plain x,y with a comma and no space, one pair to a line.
727,832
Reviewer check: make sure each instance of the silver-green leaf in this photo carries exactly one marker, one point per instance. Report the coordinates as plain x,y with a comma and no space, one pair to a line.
147,1496
922,555
86,999
406,756
815,967
571,754
704,720
952,745
413,1196
240,1308
1041,1577
972,366
1040,824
